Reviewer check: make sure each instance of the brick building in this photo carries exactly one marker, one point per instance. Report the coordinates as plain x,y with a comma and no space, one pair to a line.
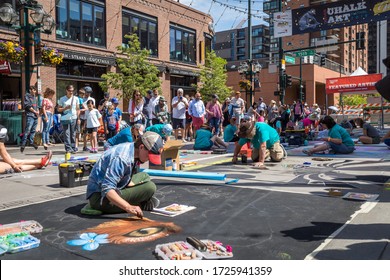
88,31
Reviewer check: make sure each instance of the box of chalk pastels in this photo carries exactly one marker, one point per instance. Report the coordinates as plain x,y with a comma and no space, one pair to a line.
18,242
193,249
30,226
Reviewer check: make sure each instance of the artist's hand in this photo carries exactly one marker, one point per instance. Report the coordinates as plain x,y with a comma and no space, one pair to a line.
17,168
234,159
135,210
260,165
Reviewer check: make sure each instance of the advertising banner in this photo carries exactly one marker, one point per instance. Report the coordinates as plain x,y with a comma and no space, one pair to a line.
339,14
352,83
282,24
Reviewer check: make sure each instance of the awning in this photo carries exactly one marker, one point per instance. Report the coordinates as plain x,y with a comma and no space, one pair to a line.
357,84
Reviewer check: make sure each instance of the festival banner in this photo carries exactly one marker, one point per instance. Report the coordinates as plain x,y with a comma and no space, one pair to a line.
339,14
362,83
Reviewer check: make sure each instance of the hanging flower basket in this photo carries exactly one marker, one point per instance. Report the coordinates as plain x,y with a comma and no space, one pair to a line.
51,57
11,51
245,84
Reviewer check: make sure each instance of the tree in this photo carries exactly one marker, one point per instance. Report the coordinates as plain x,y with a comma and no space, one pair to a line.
136,72
213,77
354,99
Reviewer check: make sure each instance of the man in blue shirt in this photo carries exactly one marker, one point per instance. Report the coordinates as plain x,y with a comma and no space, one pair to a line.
112,186
265,140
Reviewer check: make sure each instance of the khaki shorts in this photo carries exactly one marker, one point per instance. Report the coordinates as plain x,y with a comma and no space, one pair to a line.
275,152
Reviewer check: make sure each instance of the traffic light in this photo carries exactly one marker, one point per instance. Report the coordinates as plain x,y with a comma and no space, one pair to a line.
288,81
282,80
322,60
360,40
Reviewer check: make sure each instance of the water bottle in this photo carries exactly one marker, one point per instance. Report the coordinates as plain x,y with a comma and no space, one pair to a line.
67,156
174,167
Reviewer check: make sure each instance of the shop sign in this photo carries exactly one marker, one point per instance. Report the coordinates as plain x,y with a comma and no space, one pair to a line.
183,72
90,58
5,67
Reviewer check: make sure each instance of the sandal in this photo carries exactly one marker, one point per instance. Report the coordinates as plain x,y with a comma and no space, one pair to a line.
307,152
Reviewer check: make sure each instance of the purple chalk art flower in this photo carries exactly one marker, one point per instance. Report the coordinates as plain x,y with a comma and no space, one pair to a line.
90,241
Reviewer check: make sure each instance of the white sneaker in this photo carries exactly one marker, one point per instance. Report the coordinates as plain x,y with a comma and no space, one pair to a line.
184,140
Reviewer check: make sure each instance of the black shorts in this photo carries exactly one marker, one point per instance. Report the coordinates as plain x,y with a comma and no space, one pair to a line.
83,126
178,123
93,129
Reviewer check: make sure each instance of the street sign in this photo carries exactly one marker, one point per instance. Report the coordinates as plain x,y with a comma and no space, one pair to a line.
289,59
305,53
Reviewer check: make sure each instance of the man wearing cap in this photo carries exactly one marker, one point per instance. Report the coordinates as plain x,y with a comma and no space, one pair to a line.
112,186
83,118
117,111
265,141
161,112
11,165
164,130
197,111
128,134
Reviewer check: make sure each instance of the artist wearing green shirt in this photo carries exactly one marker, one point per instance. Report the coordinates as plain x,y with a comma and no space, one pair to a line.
164,130
338,141
265,140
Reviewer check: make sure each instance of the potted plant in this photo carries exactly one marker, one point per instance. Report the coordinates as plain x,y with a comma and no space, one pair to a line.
51,56
245,84
11,51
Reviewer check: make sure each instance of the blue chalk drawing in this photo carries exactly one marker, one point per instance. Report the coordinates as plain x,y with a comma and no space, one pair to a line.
90,241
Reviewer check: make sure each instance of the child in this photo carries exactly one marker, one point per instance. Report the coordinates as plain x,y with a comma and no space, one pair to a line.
205,140
111,122
93,123
261,117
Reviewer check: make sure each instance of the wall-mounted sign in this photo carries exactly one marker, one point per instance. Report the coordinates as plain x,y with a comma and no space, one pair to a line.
183,72
90,58
5,67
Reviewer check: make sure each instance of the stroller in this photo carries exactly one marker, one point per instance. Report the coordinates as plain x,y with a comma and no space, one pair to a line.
56,131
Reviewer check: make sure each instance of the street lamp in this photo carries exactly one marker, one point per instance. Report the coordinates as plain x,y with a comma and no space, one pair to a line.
29,33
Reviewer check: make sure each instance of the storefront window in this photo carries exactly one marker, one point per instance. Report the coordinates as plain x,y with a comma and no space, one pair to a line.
182,45
81,21
142,25
80,69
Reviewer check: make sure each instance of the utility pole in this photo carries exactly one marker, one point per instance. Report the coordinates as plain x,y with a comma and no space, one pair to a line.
250,62
281,72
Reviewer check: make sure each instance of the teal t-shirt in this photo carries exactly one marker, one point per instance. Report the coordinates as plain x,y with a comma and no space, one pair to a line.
228,133
264,133
158,128
202,140
340,133
123,136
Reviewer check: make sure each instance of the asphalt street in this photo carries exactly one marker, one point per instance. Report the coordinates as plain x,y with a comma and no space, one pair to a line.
284,212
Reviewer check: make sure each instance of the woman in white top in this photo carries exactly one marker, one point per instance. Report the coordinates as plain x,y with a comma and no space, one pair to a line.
136,105
93,122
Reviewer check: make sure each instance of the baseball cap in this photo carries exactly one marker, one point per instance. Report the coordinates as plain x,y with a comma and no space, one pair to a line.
115,100
3,134
153,143
162,98
88,89
150,92
167,129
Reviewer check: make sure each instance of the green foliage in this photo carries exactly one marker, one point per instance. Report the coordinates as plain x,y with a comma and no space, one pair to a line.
213,77
136,72
353,99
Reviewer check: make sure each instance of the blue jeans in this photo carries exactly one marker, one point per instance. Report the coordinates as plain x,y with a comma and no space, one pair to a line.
46,128
31,125
70,136
215,122
387,142
147,122
341,148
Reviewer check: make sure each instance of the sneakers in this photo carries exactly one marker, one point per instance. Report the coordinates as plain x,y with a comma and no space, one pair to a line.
46,159
85,149
88,210
22,148
149,205
35,146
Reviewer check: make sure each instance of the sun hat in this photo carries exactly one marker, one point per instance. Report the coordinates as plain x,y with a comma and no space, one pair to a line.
153,143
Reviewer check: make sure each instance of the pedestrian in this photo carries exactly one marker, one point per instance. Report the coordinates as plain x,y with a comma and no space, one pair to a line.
80,126
68,106
188,131
370,133
111,122
197,111
261,106
265,140
32,112
128,134
93,123
117,111
114,188
136,106
225,112
148,110
161,114
338,141
83,118
252,112
205,139
47,116
214,114
10,165
154,101
237,107
179,105
298,111
273,113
